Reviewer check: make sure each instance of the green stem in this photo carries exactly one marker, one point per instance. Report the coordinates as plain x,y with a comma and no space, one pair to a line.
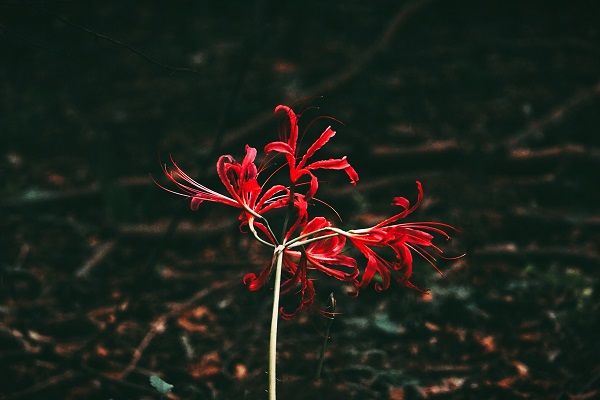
276,291
274,320
298,241
255,233
290,210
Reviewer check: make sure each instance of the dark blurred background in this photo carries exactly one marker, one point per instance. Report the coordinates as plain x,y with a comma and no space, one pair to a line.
106,279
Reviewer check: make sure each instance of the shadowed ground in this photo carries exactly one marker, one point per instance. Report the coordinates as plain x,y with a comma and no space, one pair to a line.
106,279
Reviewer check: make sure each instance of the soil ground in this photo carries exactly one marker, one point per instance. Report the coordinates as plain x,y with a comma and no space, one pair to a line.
106,279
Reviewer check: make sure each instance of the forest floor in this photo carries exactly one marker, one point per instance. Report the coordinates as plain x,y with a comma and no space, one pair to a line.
106,279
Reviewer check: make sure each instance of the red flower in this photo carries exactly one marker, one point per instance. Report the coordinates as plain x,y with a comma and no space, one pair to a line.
297,170
318,246
403,239
322,255
241,183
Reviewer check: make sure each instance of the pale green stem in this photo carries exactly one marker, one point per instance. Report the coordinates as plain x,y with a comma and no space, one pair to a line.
299,242
308,241
274,319
255,233
251,225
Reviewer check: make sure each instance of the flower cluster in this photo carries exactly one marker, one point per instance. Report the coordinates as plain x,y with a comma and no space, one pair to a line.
310,244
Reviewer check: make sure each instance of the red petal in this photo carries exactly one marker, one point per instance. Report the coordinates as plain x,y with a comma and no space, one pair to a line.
336,164
401,201
195,203
293,125
255,283
314,224
249,170
286,150
371,267
280,147
320,142
223,165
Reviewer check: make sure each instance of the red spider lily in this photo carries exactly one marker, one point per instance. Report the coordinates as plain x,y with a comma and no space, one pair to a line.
241,183
289,149
314,244
403,239
325,253
322,255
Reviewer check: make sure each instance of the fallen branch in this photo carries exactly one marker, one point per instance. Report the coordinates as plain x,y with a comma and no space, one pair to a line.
555,153
553,216
510,251
38,197
187,229
334,81
555,116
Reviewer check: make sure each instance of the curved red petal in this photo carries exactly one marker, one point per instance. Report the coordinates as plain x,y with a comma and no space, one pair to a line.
336,164
253,282
195,203
249,170
293,125
320,142
286,150
224,163
371,267
280,147
401,201
314,224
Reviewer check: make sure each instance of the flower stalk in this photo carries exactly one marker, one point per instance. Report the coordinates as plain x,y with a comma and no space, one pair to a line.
278,255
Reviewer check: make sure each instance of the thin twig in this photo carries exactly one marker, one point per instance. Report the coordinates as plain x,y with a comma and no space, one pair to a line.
434,148
158,326
36,45
326,339
119,43
99,255
555,115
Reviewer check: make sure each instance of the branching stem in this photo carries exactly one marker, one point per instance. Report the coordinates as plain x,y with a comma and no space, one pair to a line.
299,242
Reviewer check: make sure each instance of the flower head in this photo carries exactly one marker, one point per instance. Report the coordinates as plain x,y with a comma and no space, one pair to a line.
289,148
403,239
238,179
312,245
322,255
